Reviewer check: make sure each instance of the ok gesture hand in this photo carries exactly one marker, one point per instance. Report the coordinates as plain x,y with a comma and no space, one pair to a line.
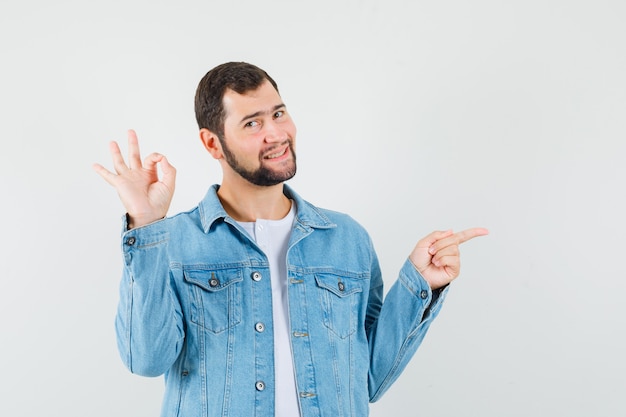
145,197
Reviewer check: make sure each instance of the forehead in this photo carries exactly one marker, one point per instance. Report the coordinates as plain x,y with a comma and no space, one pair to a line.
263,99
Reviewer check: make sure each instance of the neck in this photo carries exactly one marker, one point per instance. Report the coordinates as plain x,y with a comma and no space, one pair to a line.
246,202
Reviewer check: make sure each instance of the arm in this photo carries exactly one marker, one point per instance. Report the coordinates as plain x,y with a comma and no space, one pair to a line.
397,327
149,322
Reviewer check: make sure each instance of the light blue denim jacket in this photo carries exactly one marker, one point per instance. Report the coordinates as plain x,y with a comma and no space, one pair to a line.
195,305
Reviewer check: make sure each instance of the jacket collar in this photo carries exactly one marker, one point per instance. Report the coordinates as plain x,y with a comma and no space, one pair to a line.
307,215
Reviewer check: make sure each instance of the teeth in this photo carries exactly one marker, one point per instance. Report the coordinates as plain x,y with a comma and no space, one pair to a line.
276,155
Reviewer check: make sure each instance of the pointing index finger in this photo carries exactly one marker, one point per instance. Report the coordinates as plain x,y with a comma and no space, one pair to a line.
468,234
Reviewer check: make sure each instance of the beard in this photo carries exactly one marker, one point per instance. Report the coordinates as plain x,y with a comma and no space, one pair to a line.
263,175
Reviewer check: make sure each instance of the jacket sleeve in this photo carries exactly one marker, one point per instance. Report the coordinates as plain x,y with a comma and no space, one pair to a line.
397,326
149,323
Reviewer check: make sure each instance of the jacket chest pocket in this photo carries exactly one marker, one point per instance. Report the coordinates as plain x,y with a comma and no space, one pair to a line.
339,298
215,297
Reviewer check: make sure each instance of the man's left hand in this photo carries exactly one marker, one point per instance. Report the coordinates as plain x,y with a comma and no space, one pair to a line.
437,257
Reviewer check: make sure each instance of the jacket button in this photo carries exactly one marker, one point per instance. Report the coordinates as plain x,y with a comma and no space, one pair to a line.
256,276
260,385
423,294
130,241
214,282
341,286
260,327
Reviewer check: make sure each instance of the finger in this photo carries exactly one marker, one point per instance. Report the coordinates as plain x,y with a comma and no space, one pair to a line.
151,161
118,160
468,234
168,170
107,175
451,250
451,264
134,157
433,237
457,239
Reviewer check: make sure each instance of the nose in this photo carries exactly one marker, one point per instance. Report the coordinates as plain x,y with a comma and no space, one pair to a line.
273,132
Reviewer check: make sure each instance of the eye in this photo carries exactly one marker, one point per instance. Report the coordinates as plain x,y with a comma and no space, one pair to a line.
252,123
279,113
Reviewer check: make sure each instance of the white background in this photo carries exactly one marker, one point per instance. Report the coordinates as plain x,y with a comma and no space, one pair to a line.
412,116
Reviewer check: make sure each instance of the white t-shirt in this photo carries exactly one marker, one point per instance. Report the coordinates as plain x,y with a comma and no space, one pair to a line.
272,236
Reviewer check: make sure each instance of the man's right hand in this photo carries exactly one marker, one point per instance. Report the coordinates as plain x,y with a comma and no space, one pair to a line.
145,197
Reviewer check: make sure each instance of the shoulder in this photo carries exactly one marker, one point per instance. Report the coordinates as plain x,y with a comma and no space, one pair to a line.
339,221
178,224
340,217
316,216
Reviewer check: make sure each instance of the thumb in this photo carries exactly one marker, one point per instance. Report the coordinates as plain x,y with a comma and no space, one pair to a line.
169,174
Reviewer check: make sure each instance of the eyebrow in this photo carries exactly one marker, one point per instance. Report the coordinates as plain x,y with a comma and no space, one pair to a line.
259,113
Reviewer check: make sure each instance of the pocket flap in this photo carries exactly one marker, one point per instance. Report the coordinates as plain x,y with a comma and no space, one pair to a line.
341,287
213,279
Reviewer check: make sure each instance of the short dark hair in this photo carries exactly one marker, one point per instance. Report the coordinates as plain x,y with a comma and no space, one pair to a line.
240,77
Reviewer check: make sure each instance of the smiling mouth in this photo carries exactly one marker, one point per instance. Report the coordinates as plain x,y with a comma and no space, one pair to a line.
276,154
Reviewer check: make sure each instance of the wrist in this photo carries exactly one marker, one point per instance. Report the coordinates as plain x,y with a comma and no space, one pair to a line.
133,222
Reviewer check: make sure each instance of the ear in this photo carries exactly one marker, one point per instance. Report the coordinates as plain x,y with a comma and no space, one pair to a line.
211,143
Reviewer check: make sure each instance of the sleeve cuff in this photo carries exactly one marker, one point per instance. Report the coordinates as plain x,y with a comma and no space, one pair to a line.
418,285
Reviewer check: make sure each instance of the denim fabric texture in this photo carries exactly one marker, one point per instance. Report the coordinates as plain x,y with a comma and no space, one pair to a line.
195,305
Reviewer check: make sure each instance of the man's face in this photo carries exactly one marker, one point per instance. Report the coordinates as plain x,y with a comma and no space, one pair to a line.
259,136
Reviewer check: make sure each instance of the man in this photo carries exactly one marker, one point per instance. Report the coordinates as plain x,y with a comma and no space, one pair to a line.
257,303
